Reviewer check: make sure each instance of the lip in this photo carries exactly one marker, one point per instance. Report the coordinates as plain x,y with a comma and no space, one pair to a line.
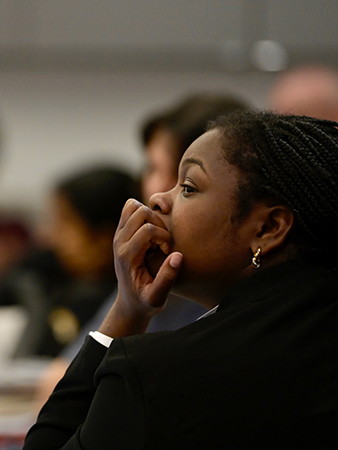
160,216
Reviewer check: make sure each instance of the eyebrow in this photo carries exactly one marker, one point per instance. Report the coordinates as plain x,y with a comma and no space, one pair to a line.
188,161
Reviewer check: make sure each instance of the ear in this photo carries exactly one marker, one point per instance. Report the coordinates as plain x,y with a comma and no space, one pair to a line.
274,224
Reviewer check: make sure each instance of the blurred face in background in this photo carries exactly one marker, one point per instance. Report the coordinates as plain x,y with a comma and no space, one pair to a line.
160,174
308,91
82,251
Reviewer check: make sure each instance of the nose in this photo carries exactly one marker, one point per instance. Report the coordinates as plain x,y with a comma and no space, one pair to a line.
161,202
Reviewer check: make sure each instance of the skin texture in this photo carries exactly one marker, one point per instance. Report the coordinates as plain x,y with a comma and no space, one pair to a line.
198,214
192,223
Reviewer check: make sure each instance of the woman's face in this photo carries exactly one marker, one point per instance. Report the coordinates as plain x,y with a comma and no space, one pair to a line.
198,212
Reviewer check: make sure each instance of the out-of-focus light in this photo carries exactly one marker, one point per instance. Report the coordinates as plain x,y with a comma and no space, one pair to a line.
268,56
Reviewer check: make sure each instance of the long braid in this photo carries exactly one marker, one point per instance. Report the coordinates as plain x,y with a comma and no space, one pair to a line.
285,183
293,159
300,166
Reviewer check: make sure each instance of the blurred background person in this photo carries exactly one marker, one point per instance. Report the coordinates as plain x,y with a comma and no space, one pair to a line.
310,90
62,284
165,136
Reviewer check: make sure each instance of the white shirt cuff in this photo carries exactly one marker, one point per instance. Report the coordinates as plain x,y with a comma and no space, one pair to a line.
209,313
101,338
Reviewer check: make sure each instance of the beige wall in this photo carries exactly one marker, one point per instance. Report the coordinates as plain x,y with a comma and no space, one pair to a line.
77,77
55,122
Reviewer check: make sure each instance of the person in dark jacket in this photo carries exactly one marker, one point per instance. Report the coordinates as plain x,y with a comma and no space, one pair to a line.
250,232
62,283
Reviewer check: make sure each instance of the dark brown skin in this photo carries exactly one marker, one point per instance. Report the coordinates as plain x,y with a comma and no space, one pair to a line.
207,252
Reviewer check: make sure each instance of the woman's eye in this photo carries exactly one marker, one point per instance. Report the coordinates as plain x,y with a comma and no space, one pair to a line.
186,189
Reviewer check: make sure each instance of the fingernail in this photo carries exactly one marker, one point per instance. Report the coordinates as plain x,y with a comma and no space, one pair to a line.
176,260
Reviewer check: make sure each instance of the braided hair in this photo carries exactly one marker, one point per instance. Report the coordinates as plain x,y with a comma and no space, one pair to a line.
290,159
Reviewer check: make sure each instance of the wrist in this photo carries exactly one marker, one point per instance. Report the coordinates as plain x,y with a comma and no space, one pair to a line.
124,320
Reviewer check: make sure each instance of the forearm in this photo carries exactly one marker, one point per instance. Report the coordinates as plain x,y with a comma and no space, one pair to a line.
124,320
109,414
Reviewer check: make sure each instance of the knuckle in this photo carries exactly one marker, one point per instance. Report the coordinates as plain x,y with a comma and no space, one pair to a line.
121,252
143,210
146,212
150,228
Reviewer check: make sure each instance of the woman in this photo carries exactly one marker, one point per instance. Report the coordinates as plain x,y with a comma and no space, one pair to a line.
249,230
63,282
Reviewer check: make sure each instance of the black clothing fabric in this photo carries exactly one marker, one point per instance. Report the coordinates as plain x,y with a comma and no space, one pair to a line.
260,373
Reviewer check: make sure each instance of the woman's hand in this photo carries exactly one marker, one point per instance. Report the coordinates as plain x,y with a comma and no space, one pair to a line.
140,238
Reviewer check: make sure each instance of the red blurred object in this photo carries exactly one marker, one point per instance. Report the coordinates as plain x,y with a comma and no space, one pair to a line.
15,240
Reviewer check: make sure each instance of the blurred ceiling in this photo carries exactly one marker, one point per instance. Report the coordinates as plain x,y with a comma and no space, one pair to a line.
161,35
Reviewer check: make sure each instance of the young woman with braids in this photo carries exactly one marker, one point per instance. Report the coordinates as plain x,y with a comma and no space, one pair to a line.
250,231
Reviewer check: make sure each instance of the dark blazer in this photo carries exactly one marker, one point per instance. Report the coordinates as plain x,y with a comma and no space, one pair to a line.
260,373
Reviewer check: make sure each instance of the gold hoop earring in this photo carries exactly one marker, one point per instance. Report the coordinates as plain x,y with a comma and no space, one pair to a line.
256,260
